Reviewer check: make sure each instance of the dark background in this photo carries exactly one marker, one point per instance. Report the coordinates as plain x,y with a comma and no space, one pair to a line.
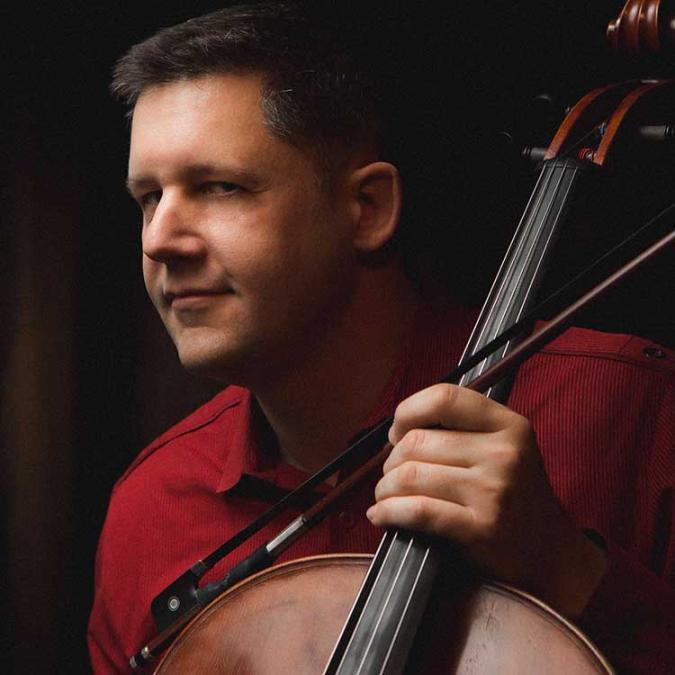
88,376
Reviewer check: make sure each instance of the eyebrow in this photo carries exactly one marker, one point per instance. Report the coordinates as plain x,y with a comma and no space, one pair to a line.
196,171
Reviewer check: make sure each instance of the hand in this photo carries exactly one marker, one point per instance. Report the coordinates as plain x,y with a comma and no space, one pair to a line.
468,469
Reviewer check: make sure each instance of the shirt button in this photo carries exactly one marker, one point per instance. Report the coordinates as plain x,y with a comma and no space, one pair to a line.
346,519
654,353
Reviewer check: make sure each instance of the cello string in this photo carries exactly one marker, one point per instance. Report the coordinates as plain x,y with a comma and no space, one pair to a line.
521,265
399,568
538,192
382,550
594,133
515,266
533,211
553,229
416,582
529,233
584,275
524,266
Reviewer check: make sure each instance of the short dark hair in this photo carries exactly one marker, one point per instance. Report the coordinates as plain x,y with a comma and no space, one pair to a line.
313,88
331,81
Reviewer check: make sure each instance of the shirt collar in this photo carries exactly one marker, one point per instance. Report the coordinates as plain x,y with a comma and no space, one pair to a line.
247,456
243,451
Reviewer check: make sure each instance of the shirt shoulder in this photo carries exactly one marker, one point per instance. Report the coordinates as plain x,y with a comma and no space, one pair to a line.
598,383
618,347
207,415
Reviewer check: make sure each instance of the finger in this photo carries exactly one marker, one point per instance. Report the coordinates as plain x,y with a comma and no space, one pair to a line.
439,446
451,407
424,514
427,480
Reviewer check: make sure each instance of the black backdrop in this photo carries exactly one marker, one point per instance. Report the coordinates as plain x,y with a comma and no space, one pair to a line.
89,377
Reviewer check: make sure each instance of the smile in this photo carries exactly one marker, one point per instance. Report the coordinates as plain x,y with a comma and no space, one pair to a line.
195,301
192,299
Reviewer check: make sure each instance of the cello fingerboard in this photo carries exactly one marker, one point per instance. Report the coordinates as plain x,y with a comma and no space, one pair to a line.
520,274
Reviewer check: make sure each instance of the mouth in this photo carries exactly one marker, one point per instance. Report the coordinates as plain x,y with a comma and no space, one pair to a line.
192,298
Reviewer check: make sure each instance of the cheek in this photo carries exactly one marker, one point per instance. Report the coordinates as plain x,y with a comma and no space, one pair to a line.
316,276
283,255
151,271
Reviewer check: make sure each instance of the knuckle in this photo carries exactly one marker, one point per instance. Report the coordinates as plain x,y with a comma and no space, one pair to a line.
497,494
380,491
409,475
494,494
411,443
419,512
486,525
384,510
445,395
492,489
507,453
398,428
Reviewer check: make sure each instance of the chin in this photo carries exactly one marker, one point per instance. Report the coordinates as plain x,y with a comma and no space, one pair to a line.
214,357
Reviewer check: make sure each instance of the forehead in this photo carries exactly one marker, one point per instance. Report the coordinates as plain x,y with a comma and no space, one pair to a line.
226,94
197,120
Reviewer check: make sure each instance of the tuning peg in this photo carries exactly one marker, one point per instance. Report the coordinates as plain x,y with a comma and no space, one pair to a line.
533,154
657,132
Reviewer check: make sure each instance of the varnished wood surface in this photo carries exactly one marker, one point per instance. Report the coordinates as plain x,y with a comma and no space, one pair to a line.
287,619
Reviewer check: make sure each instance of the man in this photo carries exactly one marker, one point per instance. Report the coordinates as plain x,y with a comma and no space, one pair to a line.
272,251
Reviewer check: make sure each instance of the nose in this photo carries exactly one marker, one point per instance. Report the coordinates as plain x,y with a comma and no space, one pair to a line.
172,234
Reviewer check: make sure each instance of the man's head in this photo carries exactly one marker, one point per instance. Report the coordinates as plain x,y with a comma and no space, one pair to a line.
314,93
250,254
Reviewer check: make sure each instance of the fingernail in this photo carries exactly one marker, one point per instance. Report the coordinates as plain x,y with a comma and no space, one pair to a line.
370,512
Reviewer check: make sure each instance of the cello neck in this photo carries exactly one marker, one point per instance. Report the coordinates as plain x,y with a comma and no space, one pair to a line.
382,625
519,277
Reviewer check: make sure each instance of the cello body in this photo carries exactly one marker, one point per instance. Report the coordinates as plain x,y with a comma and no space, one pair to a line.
287,620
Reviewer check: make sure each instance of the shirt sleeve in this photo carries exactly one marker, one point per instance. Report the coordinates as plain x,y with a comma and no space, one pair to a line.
105,653
119,620
625,451
631,617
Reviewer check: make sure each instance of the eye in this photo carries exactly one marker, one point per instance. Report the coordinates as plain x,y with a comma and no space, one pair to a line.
149,198
220,187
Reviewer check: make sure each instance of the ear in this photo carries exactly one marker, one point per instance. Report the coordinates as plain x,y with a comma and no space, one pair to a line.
376,192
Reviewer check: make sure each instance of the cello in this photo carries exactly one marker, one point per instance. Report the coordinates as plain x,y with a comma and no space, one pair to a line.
616,113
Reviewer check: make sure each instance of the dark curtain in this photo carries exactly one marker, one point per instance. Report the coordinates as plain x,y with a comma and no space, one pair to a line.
38,398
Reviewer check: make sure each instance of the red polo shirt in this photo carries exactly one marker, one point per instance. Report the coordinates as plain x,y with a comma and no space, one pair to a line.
603,408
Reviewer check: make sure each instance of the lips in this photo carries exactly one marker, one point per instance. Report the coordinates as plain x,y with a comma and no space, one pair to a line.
191,297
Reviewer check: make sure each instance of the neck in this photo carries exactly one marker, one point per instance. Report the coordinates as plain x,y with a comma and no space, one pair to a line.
320,403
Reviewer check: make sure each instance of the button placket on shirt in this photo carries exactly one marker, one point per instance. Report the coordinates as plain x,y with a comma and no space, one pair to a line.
346,519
